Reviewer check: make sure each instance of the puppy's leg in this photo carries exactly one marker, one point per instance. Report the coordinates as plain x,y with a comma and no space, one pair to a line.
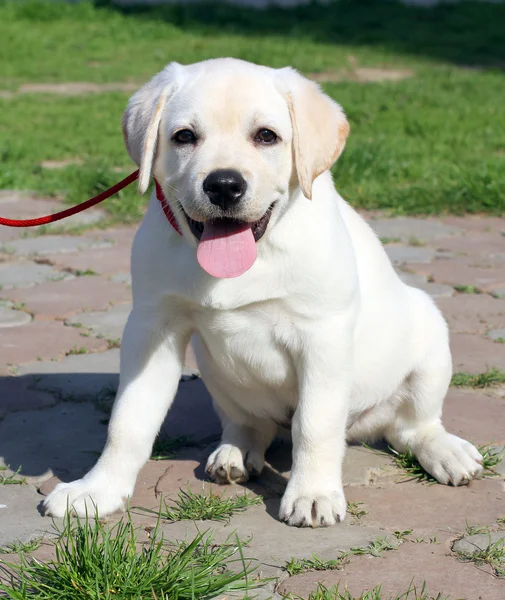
417,424
241,452
152,354
314,495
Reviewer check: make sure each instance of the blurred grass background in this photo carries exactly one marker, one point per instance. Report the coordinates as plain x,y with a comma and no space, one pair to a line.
430,143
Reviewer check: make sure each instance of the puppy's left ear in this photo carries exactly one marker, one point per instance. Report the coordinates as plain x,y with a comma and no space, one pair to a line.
320,128
141,121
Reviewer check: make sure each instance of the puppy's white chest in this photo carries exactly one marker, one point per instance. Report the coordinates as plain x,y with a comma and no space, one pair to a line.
251,347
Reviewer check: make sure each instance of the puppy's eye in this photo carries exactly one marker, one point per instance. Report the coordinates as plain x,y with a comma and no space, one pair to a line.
265,136
184,136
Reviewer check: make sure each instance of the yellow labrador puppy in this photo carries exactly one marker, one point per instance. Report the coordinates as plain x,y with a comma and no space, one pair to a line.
296,311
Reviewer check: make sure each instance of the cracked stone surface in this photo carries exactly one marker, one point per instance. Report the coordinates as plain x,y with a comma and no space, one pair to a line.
481,541
55,403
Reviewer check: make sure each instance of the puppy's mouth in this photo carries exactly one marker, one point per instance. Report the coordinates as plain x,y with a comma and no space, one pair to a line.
227,247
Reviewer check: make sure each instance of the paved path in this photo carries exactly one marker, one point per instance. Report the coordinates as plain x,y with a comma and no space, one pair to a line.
63,303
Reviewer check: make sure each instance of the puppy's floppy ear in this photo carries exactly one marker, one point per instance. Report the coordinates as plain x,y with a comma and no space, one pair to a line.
141,121
320,128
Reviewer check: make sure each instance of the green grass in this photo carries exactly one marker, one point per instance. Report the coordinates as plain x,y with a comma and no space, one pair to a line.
335,593
493,555
11,479
355,510
381,544
491,377
99,562
18,547
430,144
467,289
203,507
296,566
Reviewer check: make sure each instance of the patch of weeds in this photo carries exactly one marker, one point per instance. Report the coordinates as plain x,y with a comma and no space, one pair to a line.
501,521
389,240
85,273
12,479
335,593
94,560
18,547
377,547
165,447
113,343
499,340
475,529
412,467
416,242
491,457
301,565
75,350
491,377
467,289
493,555
355,510
203,507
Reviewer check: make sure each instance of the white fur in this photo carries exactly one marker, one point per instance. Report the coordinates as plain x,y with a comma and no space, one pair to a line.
321,327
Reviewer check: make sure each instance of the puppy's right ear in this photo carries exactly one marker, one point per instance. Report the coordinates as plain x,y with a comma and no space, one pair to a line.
141,121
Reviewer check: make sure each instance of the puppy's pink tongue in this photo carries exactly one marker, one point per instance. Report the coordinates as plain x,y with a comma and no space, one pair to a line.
226,249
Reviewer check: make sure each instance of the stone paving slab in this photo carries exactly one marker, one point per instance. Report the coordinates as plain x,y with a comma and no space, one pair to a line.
472,313
50,244
412,562
476,354
42,340
477,415
408,228
19,518
10,317
64,440
17,396
63,299
109,324
474,543
28,274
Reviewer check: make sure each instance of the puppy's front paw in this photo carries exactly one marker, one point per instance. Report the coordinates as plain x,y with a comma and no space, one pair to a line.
312,507
450,459
83,497
227,464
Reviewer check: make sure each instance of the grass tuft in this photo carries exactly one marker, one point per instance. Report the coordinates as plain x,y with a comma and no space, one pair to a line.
491,457
18,547
295,566
493,555
203,507
467,289
12,479
100,562
355,510
491,377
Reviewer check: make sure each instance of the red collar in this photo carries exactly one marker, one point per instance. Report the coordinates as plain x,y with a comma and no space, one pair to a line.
166,208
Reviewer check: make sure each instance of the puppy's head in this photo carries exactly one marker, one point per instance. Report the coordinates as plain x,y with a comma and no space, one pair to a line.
226,140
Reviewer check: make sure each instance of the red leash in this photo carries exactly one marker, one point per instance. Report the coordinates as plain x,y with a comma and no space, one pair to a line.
92,202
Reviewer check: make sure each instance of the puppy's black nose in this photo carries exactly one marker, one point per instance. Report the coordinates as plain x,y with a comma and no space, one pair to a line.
224,187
